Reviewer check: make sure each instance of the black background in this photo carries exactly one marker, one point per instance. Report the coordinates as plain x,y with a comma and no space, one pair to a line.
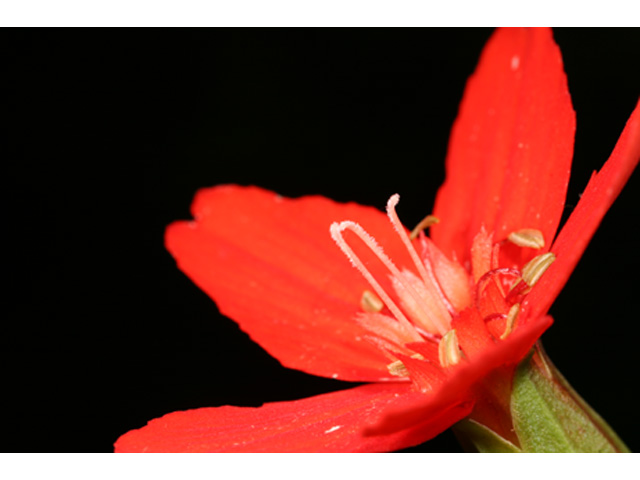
110,132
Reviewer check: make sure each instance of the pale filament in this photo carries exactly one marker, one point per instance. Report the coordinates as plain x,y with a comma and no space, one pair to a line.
336,233
427,277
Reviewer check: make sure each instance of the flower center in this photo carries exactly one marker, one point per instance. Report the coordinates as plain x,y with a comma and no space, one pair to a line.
416,305
423,307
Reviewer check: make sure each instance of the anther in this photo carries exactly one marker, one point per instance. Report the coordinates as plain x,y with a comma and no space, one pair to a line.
533,270
370,302
527,237
512,316
398,369
448,349
425,223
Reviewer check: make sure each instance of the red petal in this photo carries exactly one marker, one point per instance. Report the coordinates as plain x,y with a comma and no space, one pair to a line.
511,146
270,264
472,333
333,422
428,349
601,192
425,375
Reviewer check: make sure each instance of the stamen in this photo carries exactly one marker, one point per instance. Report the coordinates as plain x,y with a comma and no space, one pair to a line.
336,233
533,270
425,223
398,369
512,316
527,237
448,349
370,302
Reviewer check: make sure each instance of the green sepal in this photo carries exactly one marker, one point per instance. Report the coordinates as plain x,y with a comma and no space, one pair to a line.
549,416
475,437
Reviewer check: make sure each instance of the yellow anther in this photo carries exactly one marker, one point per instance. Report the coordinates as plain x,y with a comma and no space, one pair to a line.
512,316
448,349
370,302
426,222
533,270
398,368
527,237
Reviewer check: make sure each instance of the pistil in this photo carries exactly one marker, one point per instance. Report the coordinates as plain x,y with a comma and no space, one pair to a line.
421,308
427,305
336,230
441,318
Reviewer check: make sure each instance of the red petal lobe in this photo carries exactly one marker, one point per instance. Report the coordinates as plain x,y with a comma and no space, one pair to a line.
511,146
602,190
472,333
333,422
271,265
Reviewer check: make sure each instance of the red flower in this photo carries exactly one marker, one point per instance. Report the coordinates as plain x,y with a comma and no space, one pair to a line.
434,324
